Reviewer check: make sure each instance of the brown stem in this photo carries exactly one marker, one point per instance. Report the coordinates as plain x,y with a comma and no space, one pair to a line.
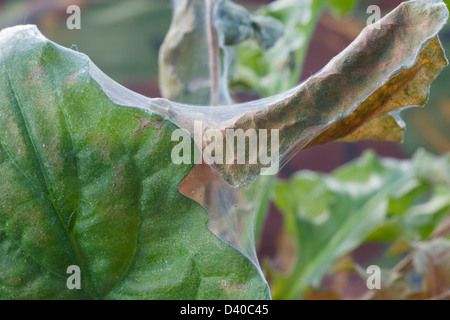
213,51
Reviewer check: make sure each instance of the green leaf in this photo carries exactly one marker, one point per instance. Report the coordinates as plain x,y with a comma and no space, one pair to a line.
342,7
187,44
87,180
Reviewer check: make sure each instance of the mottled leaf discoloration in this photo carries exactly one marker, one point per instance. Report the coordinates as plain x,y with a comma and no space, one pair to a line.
388,67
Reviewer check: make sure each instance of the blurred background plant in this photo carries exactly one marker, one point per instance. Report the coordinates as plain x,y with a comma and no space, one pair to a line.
337,208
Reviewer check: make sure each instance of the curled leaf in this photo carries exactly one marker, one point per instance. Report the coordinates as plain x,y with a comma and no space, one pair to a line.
359,94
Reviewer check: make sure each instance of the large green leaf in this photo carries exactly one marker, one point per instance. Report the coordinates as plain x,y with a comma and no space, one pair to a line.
87,180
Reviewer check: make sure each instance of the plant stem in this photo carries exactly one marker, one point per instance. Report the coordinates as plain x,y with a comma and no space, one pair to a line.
213,51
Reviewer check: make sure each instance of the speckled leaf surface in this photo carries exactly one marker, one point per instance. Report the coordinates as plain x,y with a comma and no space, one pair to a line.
85,181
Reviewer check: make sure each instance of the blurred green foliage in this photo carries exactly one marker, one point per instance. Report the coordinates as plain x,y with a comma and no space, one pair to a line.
369,200
121,37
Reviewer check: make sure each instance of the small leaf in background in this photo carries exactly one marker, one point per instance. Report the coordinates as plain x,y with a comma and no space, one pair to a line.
416,208
343,102
267,31
185,64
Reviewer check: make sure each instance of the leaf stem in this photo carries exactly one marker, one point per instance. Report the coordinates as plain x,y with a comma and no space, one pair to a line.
213,51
